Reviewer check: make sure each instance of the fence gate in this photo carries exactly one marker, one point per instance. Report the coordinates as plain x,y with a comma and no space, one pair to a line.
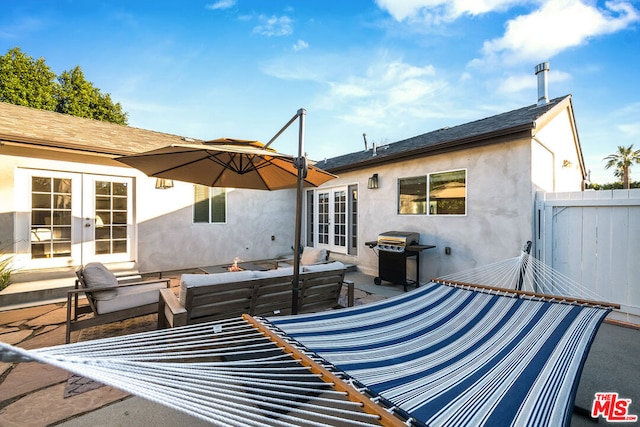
593,237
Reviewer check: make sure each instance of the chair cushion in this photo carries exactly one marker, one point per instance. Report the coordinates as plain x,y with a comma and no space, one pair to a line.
96,275
279,272
194,280
312,255
335,265
130,297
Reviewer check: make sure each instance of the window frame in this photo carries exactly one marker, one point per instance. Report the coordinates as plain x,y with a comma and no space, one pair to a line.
426,209
213,194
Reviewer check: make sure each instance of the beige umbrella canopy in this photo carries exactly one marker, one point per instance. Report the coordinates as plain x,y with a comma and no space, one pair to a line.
225,162
236,163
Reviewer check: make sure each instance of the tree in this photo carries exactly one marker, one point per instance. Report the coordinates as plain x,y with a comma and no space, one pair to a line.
29,82
25,81
78,97
622,161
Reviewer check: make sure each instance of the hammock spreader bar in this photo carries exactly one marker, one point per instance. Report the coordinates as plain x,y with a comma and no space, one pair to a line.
543,297
368,406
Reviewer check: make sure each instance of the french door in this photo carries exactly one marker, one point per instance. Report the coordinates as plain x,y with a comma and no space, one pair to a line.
332,219
107,219
73,218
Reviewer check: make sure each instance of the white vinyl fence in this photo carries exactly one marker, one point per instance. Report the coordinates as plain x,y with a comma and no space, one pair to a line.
593,237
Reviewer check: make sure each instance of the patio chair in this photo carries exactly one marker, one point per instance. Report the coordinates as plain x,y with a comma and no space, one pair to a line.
110,298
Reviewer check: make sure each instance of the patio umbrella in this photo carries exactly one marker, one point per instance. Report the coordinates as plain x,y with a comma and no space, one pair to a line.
235,163
225,162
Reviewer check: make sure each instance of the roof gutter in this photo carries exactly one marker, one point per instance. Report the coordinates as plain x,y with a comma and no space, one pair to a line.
56,146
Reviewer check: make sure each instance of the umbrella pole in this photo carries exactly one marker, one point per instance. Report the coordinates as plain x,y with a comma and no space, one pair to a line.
301,165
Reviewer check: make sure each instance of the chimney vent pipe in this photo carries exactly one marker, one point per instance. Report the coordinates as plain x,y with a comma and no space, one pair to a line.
366,145
541,71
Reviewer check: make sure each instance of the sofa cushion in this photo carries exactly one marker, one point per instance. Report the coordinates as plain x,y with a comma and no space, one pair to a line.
279,272
130,297
312,255
335,265
96,275
194,280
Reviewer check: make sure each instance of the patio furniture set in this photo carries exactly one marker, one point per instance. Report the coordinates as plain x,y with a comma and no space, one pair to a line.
208,296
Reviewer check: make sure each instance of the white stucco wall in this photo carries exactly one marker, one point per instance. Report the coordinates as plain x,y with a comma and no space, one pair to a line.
166,237
499,208
555,162
169,240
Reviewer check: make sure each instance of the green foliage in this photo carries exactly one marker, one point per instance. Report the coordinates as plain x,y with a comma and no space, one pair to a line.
622,160
29,82
25,81
5,271
78,97
612,186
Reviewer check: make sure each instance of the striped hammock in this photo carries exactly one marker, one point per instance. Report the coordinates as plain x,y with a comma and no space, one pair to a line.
442,355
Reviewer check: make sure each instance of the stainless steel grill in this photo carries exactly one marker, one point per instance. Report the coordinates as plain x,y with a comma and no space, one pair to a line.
394,247
397,241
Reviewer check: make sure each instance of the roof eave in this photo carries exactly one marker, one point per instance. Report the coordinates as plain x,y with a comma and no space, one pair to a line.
58,146
493,137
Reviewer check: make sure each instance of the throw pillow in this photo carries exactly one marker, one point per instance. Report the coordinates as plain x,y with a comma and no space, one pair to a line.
96,275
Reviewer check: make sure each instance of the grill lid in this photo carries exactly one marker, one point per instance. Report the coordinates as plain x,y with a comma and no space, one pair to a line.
397,241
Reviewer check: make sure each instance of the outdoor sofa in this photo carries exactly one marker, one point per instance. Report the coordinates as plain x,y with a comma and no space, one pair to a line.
207,297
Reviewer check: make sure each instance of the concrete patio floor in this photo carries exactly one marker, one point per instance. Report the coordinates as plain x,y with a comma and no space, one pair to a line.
33,394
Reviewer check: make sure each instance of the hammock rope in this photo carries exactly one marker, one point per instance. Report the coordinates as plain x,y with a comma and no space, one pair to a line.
245,379
526,276
481,347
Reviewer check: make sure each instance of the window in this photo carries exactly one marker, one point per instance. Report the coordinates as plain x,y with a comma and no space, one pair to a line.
111,217
210,204
412,195
50,217
446,194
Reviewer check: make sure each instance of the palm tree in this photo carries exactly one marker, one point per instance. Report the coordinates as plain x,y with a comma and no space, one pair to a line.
622,161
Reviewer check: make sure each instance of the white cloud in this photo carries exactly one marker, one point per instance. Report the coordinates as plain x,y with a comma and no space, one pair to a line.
628,118
552,27
388,94
528,82
300,45
20,28
221,4
436,11
556,26
274,26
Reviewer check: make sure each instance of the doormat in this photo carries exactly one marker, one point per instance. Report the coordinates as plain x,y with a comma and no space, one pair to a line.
77,384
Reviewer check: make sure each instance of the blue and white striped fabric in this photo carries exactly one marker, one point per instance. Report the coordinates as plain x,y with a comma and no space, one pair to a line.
454,357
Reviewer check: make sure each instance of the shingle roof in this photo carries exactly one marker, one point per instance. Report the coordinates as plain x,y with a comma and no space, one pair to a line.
25,125
446,139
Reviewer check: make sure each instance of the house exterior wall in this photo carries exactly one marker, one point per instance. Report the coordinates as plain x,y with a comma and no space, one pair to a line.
165,236
169,240
499,208
556,165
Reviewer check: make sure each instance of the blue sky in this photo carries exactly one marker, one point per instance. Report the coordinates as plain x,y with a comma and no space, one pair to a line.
392,69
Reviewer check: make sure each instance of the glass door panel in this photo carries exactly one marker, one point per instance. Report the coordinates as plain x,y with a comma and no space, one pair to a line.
340,218
323,218
51,218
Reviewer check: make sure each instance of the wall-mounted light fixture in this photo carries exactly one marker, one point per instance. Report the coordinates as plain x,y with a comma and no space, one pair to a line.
163,184
566,164
373,182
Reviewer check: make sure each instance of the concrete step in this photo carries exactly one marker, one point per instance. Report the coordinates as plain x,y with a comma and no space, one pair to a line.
39,287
